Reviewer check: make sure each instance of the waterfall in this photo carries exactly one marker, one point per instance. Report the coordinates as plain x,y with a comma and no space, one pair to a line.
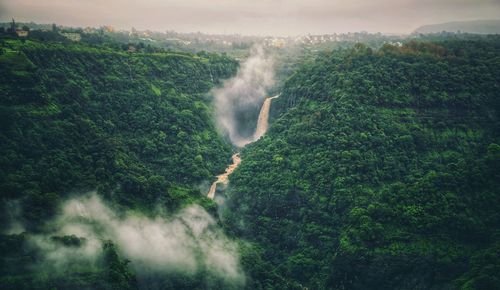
262,124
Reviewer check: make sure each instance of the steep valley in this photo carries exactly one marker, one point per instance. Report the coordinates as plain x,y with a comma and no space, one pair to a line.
373,168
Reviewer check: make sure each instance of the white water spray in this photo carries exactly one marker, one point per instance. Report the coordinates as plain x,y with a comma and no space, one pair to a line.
243,93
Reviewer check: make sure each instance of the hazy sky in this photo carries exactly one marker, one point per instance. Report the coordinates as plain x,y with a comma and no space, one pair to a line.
259,17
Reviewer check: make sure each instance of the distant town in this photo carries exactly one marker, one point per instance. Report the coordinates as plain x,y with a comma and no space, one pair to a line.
177,40
236,45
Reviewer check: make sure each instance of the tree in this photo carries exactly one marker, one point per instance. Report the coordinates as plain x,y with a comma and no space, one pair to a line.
13,27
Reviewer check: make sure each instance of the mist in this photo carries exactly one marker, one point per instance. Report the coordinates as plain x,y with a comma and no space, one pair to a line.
189,241
257,17
238,101
12,210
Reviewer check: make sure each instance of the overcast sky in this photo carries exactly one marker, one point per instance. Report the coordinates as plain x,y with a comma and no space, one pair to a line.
252,17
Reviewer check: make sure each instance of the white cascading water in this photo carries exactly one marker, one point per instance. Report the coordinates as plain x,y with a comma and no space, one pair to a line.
261,128
262,122
224,177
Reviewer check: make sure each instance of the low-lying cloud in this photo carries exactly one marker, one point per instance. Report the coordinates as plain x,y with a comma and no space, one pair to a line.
243,93
190,241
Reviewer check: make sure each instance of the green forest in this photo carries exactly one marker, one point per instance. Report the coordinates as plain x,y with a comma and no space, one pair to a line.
380,169
136,128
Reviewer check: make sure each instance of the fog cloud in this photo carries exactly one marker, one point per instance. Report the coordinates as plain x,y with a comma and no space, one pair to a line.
13,210
189,241
246,91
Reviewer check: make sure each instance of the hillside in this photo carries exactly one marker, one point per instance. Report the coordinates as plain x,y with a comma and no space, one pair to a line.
380,171
135,127
380,168
476,27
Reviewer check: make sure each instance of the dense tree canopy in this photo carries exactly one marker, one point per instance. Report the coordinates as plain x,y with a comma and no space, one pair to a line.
380,171
381,168
136,128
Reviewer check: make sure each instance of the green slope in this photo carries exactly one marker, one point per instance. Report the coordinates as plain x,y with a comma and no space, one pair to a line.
380,171
136,128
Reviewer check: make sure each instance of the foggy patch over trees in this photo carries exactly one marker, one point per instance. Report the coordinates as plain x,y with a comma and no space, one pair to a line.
188,242
238,101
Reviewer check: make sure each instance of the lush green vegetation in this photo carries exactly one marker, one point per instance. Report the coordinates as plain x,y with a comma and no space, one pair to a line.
137,128
381,171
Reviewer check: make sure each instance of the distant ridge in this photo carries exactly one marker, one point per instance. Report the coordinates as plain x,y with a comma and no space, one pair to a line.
475,26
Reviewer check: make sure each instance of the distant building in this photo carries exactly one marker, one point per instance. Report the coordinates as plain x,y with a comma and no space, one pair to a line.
18,31
278,42
22,33
73,36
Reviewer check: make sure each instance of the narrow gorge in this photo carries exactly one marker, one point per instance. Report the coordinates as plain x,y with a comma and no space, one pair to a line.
260,130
